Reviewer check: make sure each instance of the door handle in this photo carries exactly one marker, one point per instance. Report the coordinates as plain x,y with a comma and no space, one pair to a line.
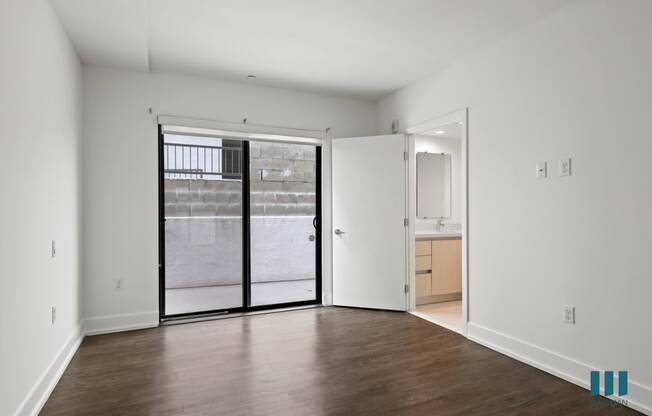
311,237
338,232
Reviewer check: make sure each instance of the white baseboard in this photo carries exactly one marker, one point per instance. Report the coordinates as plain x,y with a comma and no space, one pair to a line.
119,323
327,299
639,396
41,391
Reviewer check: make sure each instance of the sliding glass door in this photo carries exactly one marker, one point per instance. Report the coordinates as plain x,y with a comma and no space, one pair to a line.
239,224
283,222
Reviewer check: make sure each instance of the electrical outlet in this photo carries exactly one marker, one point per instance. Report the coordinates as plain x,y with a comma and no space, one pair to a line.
564,168
53,313
541,170
119,283
394,126
569,314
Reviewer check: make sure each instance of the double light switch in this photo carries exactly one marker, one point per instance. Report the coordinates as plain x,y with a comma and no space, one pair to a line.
563,168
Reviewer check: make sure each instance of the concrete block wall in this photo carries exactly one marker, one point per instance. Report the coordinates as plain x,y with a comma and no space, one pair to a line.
283,182
203,198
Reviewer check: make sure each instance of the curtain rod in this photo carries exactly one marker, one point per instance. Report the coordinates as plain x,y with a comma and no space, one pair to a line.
244,121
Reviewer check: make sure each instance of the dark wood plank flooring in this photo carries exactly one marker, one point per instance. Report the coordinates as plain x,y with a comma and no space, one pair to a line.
323,361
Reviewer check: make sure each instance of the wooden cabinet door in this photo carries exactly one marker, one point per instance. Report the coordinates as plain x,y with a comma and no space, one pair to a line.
424,287
422,248
457,266
446,266
423,263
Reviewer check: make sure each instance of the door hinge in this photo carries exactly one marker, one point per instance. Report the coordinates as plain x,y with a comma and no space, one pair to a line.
406,288
406,222
405,155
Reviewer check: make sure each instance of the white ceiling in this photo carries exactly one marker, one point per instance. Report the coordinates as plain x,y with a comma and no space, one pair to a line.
450,131
364,48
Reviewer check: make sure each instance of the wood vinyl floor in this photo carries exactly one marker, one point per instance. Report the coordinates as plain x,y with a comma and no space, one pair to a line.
322,361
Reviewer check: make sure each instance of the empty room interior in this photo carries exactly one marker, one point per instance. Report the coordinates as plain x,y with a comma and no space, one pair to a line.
308,207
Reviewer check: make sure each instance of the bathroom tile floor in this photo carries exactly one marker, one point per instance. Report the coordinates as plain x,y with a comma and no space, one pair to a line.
445,314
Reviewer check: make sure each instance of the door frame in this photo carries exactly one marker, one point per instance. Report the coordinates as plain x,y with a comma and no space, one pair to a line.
461,116
246,234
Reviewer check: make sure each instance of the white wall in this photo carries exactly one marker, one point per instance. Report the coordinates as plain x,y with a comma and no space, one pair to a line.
40,115
575,84
453,147
120,169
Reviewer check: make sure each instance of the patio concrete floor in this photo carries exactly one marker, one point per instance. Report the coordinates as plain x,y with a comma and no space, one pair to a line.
206,298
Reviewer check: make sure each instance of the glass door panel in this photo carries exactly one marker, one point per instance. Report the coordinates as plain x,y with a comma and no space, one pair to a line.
203,197
283,222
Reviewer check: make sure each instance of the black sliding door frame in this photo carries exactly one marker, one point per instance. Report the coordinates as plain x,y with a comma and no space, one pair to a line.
246,226
246,239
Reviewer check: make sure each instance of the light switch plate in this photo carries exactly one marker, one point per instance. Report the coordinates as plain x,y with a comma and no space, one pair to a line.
542,170
569,314
119,283
564,168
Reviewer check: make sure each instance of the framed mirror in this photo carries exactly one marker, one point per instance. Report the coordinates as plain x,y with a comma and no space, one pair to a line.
433,185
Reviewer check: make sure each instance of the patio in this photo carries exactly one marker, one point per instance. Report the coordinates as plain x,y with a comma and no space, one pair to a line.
206,298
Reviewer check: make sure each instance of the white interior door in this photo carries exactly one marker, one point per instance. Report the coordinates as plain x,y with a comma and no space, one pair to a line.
369,233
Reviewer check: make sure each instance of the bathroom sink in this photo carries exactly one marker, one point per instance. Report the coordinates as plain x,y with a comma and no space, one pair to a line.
438,234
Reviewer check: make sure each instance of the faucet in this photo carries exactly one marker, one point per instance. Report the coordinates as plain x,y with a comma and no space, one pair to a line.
440,224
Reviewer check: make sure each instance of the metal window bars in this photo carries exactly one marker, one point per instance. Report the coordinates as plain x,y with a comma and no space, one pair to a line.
192,161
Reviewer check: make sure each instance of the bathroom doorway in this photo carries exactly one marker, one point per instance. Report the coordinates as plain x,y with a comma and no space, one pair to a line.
439,221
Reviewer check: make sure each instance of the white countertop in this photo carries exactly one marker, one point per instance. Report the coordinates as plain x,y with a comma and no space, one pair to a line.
434,235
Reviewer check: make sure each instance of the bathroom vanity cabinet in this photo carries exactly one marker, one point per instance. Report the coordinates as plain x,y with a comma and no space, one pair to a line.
438,268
